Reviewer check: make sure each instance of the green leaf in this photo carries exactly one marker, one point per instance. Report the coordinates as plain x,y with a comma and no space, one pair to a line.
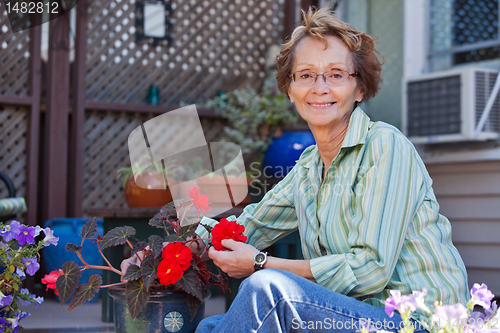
89,229
156,244
73,248
190,283
133,273
86,291
137,296
139,247
149,269
161,220
117,236
67,283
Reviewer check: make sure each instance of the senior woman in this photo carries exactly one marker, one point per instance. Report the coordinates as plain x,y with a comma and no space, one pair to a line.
361,199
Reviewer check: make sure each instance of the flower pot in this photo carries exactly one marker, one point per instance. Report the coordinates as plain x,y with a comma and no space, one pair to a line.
284,151
218,191
166,311
151,192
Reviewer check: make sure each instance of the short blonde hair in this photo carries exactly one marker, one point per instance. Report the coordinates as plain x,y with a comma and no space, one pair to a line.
321,23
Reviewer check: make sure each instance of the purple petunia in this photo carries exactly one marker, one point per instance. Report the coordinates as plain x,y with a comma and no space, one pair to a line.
480,295
38,229
32,265
26,235
4,323
20,272
38,301
5,300
492,311
399,303
49,239
15,321
450,315
11,231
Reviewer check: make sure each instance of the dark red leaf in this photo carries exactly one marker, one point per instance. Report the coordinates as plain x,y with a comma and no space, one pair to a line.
67,283
117,236
137,296
85,292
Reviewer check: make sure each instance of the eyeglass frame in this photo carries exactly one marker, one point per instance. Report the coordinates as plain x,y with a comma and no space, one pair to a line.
292,75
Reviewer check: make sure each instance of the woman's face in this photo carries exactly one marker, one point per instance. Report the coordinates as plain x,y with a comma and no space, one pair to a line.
322,104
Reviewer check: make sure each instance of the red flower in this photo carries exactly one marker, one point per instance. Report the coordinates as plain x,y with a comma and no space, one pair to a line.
227,230
50,280
199,201
169,272
179,253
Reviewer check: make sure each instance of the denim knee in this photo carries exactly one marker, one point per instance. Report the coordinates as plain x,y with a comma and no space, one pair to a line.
271,282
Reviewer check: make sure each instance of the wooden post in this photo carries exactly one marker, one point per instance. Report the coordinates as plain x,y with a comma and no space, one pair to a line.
289,20
75,176
56,121
34,122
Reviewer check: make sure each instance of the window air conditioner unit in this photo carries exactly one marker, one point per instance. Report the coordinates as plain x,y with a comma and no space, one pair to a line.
448,106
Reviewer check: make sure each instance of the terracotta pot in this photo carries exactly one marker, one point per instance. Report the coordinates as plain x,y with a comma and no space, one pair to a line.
217,189
150,193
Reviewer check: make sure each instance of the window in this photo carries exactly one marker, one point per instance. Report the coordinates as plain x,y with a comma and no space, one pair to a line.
462,31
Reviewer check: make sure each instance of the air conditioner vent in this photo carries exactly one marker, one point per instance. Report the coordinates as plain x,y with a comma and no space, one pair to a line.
447,106
433,106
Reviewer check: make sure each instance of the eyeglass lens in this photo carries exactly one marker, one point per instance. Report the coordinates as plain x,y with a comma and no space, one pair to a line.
333,77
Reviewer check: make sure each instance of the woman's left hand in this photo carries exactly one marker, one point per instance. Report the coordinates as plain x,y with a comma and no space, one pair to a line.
238,262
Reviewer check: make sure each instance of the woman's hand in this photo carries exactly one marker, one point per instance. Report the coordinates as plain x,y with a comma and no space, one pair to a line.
238,262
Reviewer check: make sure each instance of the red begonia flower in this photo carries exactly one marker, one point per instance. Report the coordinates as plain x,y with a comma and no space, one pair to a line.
179,253
227,230
169,272
50,280
200,202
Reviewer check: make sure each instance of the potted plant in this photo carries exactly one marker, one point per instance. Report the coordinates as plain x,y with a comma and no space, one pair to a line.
19,254
149,189
164,283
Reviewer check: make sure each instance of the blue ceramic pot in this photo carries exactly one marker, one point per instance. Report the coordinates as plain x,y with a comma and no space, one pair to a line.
281,155
68,230
166,311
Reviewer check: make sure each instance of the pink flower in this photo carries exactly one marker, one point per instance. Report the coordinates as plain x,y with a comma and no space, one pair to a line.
199,201
50,280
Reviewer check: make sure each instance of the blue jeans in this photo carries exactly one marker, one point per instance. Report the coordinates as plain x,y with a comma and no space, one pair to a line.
277,301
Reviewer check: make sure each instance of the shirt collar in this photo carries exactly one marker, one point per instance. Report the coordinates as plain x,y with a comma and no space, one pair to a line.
357,131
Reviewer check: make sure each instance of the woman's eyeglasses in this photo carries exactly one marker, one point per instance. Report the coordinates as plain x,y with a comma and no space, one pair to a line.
332,78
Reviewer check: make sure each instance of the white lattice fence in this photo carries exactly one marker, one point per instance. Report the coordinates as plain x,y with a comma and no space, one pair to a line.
217,46
13,131
14,58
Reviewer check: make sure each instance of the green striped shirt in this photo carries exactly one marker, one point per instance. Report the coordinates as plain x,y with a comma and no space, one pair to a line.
372,225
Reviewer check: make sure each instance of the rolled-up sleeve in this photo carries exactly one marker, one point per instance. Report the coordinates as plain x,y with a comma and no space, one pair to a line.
381,204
